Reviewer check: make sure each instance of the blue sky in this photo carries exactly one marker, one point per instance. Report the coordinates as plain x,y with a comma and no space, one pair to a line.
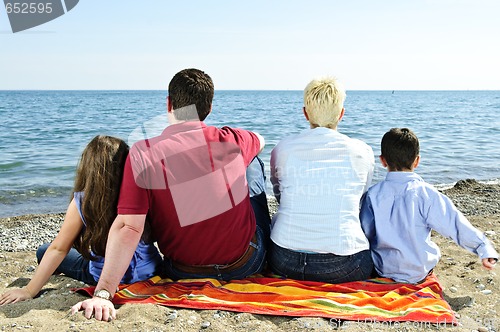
375,45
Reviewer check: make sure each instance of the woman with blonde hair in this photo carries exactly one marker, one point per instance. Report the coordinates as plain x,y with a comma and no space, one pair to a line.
88,218
318,177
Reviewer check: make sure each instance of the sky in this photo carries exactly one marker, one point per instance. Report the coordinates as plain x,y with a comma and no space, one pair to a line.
259,45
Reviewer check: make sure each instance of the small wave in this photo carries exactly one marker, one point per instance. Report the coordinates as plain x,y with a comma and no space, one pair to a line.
35,199
19,195
68,106
444,186
35,206
61,169
13,165
493,181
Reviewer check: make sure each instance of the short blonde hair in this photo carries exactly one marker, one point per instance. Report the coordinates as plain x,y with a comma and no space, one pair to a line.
323,101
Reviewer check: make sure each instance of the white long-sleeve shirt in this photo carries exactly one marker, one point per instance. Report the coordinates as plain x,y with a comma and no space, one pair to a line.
319,177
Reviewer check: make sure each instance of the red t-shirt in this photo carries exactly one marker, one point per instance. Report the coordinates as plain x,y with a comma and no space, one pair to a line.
191,183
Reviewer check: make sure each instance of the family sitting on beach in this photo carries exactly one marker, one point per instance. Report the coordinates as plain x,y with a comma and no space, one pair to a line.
198,192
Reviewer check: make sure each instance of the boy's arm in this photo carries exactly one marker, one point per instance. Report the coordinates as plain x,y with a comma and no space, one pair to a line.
445,218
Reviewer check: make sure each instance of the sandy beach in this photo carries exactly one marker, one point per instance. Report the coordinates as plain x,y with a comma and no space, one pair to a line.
472,291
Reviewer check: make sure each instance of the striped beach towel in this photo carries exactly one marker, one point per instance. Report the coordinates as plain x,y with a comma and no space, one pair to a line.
378,299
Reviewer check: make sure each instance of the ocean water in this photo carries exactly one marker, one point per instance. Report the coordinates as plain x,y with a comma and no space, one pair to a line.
44,132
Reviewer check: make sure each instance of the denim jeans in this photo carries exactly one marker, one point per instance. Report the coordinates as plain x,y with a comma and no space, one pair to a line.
329,268
73,265
258,199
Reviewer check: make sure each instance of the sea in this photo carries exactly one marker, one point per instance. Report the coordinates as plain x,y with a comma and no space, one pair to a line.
43,133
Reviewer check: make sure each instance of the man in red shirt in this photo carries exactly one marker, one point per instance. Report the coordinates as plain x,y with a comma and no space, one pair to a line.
191,184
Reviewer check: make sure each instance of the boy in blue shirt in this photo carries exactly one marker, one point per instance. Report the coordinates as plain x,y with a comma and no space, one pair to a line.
398,214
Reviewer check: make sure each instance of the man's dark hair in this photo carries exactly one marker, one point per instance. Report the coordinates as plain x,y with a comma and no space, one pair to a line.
400,148
191,87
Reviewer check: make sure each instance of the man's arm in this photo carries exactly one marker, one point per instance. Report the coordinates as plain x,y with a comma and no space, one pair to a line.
124,235
274,176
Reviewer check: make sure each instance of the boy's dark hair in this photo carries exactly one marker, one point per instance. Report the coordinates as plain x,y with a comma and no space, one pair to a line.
400,148
191,87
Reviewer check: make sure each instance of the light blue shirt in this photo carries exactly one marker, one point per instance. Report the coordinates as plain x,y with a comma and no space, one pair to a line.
144,263
397,216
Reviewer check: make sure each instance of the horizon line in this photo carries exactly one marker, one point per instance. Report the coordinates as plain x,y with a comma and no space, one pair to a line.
239,90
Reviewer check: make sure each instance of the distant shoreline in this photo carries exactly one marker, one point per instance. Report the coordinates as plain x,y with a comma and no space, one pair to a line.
249,90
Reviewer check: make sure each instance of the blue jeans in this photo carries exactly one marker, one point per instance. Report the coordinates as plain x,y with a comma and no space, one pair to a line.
329,268
256,183
73,265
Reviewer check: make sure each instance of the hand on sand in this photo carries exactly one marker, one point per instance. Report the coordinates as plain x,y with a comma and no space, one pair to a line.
489,263
15,295
98,308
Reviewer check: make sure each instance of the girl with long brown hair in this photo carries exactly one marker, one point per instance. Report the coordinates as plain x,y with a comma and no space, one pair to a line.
86,225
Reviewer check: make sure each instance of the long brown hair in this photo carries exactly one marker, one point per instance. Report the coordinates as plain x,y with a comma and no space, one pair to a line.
99,175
